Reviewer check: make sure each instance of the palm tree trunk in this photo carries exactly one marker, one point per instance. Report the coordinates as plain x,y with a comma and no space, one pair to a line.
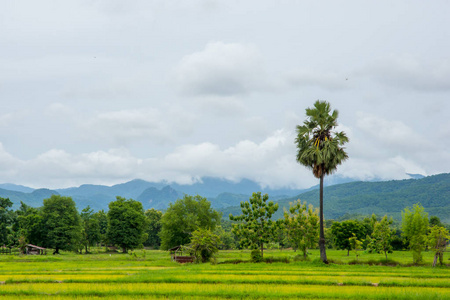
323,253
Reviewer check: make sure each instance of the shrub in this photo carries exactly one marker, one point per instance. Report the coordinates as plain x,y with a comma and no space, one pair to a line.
256,256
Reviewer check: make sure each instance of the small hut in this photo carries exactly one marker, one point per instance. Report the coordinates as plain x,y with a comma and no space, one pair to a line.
176,254
35,250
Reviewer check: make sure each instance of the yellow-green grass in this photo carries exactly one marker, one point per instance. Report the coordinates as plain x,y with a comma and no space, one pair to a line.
274,291
151,274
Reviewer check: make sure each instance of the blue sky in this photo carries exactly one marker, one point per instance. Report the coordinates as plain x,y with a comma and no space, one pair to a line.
106,91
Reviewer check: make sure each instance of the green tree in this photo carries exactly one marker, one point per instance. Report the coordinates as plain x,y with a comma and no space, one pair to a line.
381,238
355,244
102,219
6,219
91,228
31,224
153,228
320,149
126,224
226,237
185,216
435,221
302,226
437,241
343,231
255,226
415,228
62,223
205,244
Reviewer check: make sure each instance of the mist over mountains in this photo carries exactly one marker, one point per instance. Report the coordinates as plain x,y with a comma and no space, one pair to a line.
350,198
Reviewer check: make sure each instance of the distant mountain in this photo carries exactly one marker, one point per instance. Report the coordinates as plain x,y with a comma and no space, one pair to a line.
221,193
386,197
33,199
16,188
158,199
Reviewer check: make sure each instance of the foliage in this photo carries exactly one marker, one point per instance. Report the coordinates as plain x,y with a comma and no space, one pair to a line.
343,231
437,241
91,228
381,238
184,217
321,150
255,227
205,244
355,244
256,256
126,224
415,228
102,218
302,226
153,228
6,219
31,224
62,223
227,238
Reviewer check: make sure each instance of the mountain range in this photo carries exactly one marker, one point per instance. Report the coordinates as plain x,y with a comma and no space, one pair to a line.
351,198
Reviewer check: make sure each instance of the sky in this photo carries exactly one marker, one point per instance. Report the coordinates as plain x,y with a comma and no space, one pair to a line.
106,91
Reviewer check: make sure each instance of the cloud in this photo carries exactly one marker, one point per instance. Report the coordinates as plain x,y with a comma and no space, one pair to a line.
392,134
308,78
410,72
270,162
221,69
124,126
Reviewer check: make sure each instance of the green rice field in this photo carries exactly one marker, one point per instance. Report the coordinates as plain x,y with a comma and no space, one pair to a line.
150,274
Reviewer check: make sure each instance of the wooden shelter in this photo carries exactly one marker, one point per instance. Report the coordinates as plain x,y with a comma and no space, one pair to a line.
35,250
176,254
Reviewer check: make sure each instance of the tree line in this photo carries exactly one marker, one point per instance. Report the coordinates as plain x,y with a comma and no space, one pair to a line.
192,223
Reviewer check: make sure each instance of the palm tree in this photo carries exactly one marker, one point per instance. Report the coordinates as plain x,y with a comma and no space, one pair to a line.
321,150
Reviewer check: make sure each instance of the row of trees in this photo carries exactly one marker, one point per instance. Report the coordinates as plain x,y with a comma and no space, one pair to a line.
191,221
58,225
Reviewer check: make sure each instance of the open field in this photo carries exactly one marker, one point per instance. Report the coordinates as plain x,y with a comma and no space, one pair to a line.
151,274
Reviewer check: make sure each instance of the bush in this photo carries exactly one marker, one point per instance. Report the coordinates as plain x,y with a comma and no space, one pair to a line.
256,256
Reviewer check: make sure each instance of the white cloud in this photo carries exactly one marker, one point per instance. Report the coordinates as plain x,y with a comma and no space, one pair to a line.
327,80
125,126
222,69
392,134
412,73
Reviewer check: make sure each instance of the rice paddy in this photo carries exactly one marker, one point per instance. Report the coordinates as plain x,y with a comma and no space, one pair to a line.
151,274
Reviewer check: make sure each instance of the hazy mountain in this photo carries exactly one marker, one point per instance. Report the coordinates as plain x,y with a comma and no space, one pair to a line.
16,188
386,197
158,199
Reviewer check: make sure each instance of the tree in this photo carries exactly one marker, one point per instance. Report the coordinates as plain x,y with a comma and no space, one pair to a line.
102,219
153,227
321,150
62,223
255,226
381,237
185,216
302,226
91,228
6,219
415,228
437,241
31,224
126,224
343,231
435,221
205,244
355,244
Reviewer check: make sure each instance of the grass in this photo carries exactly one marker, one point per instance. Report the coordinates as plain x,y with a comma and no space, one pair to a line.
151,274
